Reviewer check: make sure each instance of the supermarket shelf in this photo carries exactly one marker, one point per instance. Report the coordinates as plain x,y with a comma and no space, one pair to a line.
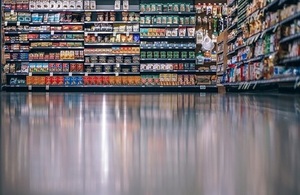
270,29
165,48
232,39
107,33
16,42
112,64
111,54
16,10
108,10
15,22
24,60
167,13
54,60
233,14
56,31
232,3
290,60
207,63
111,44
166,25
56,23
64,40
112,22
16,51
241,47
255,59
179,71
231,53
220,52
220,73
271,5
56,47
232,26
72,73
55,10
220,63
111,88
15,32
290,38
168,59
165,37
271,84
290,19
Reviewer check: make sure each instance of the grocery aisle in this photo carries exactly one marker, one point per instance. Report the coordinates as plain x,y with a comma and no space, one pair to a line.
74,143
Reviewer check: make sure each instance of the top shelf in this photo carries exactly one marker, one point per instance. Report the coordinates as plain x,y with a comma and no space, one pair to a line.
168,13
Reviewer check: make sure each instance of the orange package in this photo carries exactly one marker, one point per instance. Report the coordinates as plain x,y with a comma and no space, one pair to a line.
29,80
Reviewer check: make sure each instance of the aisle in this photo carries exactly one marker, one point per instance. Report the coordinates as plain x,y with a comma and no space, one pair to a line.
138,144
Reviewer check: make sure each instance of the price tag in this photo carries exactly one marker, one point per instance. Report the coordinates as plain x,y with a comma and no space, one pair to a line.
47,87
5,23
51,74
12,11
85,34
92,65
70,74
18,23
118,65
30,74
117,74
114,34
29,87
96,34
127,34
86,74
52,32
202,87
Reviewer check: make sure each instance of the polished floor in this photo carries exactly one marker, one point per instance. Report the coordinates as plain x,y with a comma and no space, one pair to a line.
149,144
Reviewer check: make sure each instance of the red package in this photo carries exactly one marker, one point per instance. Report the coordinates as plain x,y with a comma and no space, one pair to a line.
54,80
105,80
60,80
99,80
48,80
86,80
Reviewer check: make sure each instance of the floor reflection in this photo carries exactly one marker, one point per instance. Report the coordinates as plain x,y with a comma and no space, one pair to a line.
149,144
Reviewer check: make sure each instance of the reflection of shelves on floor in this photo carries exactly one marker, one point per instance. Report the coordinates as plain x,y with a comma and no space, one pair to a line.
166,37
179,71
16,51
166,25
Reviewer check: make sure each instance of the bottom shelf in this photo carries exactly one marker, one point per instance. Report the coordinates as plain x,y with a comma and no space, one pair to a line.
110,88
283,84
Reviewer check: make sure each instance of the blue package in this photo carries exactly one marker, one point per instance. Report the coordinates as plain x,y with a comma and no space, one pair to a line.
67,80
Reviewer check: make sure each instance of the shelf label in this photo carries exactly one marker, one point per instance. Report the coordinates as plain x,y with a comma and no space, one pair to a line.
52,32
51,74
47,87
18,23
30,74
117,74
127,34
92,65
96,34
5,23
70,74
85,34
202,87
29,87
114,34
297,83
86,74
118,65
12,11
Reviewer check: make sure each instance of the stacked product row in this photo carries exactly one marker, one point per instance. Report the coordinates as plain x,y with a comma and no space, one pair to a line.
267,46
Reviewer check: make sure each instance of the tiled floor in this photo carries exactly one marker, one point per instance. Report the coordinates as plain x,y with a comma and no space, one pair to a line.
152,144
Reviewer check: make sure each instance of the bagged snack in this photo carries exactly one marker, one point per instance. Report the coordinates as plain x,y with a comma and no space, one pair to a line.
191,32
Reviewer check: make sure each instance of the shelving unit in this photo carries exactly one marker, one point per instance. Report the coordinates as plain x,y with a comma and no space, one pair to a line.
271,47
211,21
221,56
